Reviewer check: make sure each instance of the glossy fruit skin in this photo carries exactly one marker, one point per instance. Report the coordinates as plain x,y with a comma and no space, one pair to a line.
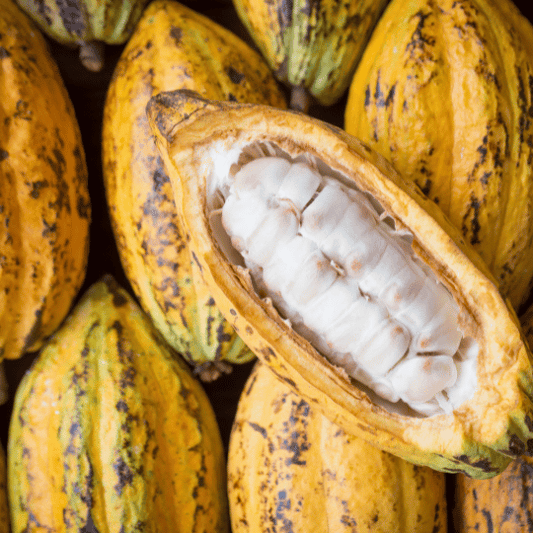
444,92
172,47
290,465
313,46
44,199
503,503
111,433
467,440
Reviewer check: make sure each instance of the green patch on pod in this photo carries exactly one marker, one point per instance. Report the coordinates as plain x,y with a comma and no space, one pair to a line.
313,47
87,24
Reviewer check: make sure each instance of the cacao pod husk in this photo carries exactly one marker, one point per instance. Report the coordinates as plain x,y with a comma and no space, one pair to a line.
87,24
111,433
289,465
504,503
312,47
44,199
443,91
201,141
172,47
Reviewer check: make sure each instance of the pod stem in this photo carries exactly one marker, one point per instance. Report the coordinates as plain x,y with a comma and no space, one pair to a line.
211,370
92,55
3,385
300,99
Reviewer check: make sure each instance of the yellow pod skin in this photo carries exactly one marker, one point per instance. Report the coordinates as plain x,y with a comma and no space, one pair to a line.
202,141
503,504
443,91
111,433
290,467
172,47
4,509
44,200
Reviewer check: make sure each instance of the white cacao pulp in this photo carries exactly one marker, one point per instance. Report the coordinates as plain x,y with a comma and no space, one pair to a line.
333,265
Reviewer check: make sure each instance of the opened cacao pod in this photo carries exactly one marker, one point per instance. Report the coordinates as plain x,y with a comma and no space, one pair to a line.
503,503
86,23
111,433
172,47
349,283
285,456
44,200
313,47
444,91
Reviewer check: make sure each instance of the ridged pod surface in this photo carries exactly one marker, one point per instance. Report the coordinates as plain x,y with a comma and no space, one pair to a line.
4,509
204,143
44,200
172,47
86,23
503,504
291,469
444,91
312,47
111,433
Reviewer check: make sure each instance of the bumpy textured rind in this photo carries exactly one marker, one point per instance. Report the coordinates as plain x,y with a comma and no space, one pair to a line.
76,21
4,509
172,47
480,437
44,200
504,503
110,433
311,45
289,467
444,91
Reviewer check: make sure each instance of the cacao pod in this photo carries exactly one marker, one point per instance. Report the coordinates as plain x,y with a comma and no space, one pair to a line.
44,200
457,395
111,433
4,509
444,91
86,23
504,503
313,47
172,47
291,468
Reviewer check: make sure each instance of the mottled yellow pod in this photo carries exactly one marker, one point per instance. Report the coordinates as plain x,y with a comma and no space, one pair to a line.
172,47
291,469
44,201
111,433
444,91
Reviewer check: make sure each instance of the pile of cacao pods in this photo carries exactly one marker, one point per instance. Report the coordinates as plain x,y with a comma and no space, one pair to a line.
266,269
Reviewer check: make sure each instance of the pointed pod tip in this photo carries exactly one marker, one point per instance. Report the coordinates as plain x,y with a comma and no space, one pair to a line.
167,110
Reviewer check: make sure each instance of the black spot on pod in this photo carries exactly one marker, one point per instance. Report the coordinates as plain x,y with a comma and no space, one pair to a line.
176,34
234,75
71,13
4,53
3,154
258,428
